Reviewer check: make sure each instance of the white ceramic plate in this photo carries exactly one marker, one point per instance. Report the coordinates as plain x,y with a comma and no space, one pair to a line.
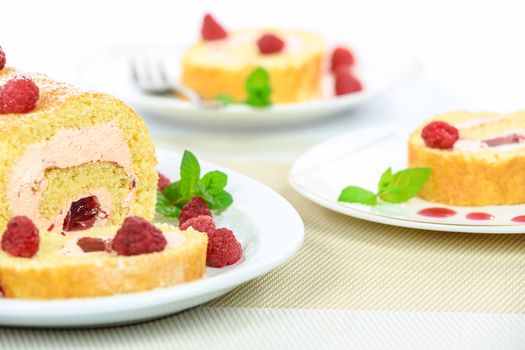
359,158
108,70
268,227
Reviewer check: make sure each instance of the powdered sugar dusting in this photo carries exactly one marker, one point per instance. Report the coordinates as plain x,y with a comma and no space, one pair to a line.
52,94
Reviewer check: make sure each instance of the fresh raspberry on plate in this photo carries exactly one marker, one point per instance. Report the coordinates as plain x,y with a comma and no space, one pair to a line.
201,223
341,56
223,248
21,237
440,135
195,207
270,43
346,83
163,181
211,29
2,58
18,95
138,236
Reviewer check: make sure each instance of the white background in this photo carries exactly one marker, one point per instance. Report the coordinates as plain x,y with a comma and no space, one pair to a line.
473,52
450,36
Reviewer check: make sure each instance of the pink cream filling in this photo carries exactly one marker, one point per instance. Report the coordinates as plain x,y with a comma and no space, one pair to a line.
67,148
513,140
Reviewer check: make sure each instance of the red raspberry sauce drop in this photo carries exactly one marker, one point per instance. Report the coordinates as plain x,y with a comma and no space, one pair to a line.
437,212
479,216
520,218
82,214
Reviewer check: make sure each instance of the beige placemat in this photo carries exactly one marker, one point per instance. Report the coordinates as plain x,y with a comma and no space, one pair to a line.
353,264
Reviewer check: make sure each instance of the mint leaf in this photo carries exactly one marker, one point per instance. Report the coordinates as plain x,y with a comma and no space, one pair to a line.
385,179
404,185
172,192
214,181
225,99
221,201
258,88
165,208
210,188
190,171
354,194
392,188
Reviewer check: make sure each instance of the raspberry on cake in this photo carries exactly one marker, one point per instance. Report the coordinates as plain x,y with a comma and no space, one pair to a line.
439,134
476,159
138,236
221,67
270,43
80,265
21,238
72,159
18,95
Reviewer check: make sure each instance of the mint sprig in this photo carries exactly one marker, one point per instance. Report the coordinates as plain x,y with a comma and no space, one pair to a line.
258,90
211,188
190,172
392,187
225,99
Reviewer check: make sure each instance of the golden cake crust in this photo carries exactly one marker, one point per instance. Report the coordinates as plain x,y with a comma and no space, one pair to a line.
221,67
49,276
463,178
62,106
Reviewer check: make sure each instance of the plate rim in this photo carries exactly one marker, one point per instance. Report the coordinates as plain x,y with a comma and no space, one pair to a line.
298,112
382,219
32,312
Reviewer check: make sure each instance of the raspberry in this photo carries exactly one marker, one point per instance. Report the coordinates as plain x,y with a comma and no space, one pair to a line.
346,83
211,29
163,181
2,58
19,95
341,69
21,237
201,223
341,56
439,134
137,236
270,43
223,249
195,207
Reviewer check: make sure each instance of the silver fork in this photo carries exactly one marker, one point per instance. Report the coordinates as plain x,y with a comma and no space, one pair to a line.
149,75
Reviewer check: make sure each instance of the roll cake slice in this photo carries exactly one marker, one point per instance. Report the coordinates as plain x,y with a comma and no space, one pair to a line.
64,267
485,165
222,66
80,159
